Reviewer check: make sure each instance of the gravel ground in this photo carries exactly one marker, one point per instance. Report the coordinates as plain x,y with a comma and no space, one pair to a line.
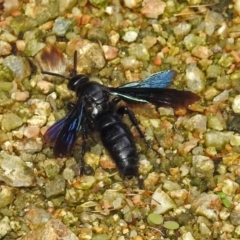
190,190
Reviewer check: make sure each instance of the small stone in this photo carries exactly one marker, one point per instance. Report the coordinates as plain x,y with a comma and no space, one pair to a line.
6,195
62,25
55,187
5,227
11,121
202,166
36,216
222,96
207,205
181,29
132,3
153,8
192,40
130,36
235,140
18,65
217,139
229,187
139,51
20,96
53,229
110,52
188,236
96,34
195,78
15,172
5,48
236,104
215,123
130,63
202,52
162,202
90,55
235,215
196,123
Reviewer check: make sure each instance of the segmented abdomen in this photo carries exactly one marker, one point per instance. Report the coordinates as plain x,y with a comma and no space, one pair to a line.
118,140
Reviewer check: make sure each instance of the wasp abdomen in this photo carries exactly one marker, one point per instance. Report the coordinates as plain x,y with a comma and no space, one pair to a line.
118,140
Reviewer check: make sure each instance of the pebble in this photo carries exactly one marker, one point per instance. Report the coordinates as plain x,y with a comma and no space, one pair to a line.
10,121
14,171
215,123
4,226
90,55
5,48
20,96
53,229
110,52
235,140
132,3
19,66
29,146
96,34
195,78
162,202
6,196
217,139
130,63
202,52
196,123
187,236
235,215
229,187
236,104
207,205
56,187
31,131
202,166
153,8
139,51
62,25
130,36
36,216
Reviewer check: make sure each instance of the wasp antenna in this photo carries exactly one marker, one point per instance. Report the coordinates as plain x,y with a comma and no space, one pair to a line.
54,74
74,71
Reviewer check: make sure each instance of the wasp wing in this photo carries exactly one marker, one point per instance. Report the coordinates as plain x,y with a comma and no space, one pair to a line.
152,90
63,133
156,80
162,97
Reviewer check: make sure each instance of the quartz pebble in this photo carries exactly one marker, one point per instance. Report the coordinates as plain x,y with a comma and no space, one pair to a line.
53,229
14,171
5,48
162,202
207,205
236,104
153,8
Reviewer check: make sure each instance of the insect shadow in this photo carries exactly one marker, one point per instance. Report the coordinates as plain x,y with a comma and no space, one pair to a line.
97,109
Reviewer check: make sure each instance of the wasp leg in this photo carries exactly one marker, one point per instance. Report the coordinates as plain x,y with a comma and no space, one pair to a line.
84,147
125,110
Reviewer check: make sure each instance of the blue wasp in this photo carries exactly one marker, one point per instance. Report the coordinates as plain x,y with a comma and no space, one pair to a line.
97,109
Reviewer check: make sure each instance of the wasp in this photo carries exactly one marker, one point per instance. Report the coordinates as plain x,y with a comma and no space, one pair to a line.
97,109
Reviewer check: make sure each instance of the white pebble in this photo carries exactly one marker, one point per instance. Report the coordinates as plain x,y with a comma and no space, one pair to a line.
130,36
236,104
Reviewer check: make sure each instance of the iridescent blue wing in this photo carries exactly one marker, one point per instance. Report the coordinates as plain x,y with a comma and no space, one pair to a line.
51,134
63,134
152,90
156,80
